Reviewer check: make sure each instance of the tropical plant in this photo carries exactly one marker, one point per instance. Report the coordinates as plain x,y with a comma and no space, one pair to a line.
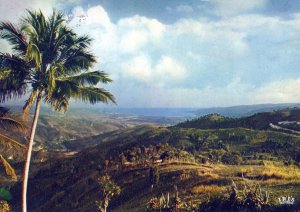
8,121
4,206
159,203
51,63
109,189
164,203
251,198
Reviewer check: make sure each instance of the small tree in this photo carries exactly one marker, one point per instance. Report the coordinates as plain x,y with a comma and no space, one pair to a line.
123,159
109,189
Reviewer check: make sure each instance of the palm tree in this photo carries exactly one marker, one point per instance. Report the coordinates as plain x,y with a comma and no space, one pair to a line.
8,121
52,64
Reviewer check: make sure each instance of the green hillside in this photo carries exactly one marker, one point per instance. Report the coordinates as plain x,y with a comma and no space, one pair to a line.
260,121
199,165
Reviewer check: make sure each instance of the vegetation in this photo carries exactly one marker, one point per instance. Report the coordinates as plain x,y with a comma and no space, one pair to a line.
251,198
4,206
5,196
8,121
51,60
201,162
109,189
165,203
259,121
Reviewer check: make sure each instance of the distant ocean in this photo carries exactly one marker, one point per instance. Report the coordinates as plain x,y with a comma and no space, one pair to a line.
233,111
186,113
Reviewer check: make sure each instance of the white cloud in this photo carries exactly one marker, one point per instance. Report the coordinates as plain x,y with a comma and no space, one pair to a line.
97,15
279,91
133,40
168,67
13,10
196,62
153,26
285,91
139,68
143,69
218,34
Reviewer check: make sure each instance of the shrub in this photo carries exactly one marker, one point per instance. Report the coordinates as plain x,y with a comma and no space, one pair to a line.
251,198
4,206
231,158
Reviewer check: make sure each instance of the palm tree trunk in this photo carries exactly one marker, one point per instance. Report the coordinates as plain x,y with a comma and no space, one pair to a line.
29,150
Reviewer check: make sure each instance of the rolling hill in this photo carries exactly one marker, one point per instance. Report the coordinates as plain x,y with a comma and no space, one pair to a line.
259,121
200,157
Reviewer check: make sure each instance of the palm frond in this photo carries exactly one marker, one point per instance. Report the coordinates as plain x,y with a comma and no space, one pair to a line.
58,103
11,123
93,95
14,36
8,168
8,121
30,32
89,78
33,54
83,42
13,74
54,61
14,143
77,61
59,98
51,79
36,19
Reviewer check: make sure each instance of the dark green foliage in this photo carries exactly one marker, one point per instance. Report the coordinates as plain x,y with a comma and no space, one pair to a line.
109,189
250,199
5,194
231,158
50,61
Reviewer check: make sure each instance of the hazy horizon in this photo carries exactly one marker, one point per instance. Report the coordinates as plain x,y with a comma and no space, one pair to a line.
164,112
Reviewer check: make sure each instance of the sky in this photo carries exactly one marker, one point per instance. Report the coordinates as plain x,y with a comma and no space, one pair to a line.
192,53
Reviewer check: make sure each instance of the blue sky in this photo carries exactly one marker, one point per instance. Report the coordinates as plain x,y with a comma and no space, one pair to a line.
193,53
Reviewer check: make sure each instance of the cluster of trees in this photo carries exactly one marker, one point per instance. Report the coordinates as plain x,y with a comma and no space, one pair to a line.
236,146
51,64
149,155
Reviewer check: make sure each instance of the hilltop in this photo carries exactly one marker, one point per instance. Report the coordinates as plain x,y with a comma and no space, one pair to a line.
259,121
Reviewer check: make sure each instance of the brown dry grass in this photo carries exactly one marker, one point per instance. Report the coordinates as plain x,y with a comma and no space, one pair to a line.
207,189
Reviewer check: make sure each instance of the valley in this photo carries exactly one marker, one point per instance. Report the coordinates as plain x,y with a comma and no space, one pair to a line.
198,161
